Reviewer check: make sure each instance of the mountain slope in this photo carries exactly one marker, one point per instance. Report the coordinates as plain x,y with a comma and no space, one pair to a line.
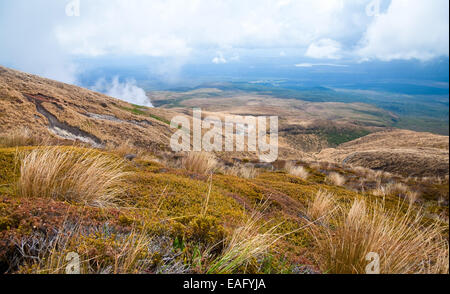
45,106
402,152
155,213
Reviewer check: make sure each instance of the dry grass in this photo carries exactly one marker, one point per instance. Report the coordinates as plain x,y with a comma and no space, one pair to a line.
130,258
380,191
124,148
199,162
75,175
336,179
404,242
246,172
321,206
298,171
371,175
19,137
315,166
396,189
412,196
245,245
127,148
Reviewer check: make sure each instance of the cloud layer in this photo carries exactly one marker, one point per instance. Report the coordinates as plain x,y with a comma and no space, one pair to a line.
409,29
41,38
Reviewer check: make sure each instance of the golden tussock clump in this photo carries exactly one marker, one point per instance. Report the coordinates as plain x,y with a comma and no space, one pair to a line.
199,162
246,172
124,148
19,137
399,190
336,179
393,189
320,206
404,241
371,174
71,174
244,245
298,171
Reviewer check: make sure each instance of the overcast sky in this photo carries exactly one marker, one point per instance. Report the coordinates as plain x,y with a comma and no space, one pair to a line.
42,36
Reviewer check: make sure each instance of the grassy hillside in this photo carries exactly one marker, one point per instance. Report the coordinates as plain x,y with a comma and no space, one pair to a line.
84,173
169,219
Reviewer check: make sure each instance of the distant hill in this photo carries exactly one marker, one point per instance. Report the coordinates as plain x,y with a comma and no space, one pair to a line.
399,151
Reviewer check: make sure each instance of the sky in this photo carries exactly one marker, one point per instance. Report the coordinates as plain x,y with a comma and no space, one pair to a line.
50,37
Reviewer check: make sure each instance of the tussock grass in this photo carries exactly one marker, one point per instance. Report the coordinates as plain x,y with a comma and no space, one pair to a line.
71,174
336,179
315,166
245,245
19,137
395,189
124,148
298,171
132,254
412,196
404,241
200,162
321,206
371,175
246,172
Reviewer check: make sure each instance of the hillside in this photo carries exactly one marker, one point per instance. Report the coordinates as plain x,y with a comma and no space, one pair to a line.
84,173
337,132
399,151
71,112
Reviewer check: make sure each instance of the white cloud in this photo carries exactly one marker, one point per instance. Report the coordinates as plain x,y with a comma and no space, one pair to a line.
127,91
40,38
177,28
324,49
28,42
219,59
410,29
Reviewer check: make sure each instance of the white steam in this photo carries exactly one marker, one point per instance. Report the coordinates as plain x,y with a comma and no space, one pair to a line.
127,91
